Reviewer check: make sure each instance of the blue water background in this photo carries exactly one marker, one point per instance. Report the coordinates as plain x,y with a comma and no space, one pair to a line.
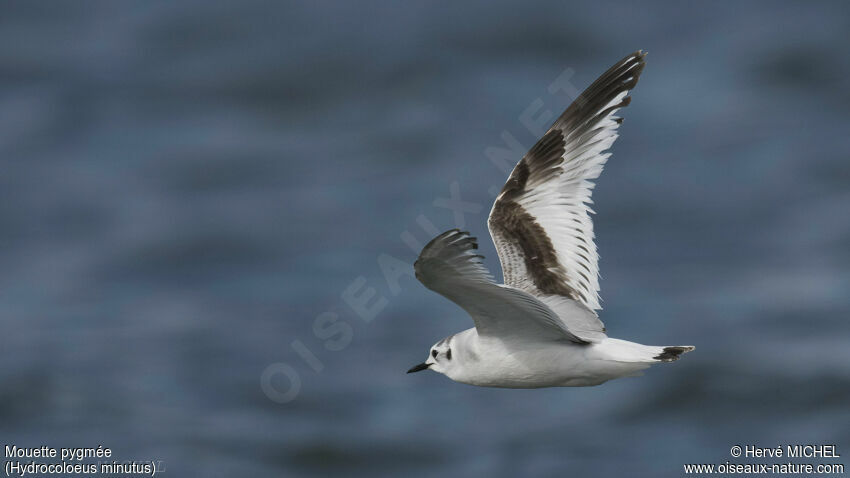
186,186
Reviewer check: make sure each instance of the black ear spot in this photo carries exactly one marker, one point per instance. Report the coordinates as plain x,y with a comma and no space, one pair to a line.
434,353
449,354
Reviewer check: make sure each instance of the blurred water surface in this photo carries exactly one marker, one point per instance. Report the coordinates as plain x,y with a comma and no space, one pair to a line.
187,185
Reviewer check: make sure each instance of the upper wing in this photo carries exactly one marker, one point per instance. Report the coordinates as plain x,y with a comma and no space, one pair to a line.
450,266
540,222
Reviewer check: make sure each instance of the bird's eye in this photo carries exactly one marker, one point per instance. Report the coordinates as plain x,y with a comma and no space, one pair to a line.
434,353
449,354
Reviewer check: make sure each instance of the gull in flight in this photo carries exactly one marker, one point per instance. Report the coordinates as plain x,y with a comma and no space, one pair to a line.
540,328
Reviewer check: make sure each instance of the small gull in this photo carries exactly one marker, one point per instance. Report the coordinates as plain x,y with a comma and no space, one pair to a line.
540,328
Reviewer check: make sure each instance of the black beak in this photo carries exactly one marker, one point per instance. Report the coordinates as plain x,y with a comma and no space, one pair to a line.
419,367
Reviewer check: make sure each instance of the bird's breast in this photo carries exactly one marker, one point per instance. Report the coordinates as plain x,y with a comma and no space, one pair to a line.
543,365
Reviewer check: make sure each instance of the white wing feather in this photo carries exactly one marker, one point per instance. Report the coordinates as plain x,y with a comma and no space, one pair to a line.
450,266
540,222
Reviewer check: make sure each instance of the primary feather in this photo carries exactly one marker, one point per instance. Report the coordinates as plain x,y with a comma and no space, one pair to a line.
540,223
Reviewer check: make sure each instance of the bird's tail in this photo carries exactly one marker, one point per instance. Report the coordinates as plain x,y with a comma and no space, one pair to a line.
671,354
623,351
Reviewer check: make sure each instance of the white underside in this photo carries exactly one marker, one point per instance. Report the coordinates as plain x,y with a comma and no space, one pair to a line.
495,363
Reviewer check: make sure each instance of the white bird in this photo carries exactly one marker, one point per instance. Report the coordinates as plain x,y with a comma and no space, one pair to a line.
540,328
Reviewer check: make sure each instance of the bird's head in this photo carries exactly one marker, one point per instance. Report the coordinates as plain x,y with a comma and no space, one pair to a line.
439,358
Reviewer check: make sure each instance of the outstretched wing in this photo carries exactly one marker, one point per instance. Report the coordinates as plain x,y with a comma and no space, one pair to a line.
540,222
449,266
